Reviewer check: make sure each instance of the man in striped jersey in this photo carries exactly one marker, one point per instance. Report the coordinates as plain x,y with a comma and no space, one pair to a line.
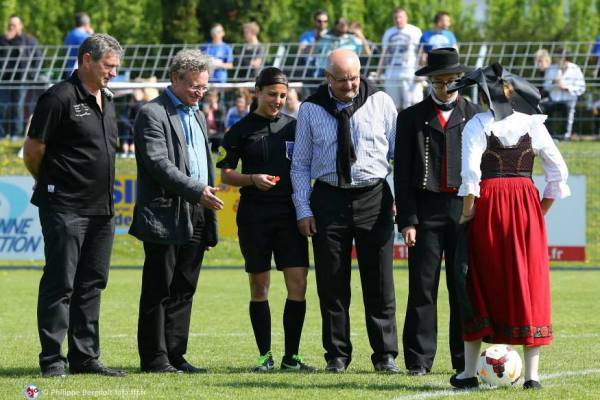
344,140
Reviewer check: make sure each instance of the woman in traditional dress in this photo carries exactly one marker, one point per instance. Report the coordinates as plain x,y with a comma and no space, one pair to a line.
508,282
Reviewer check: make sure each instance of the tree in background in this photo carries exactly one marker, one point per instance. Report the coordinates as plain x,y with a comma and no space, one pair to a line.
188,21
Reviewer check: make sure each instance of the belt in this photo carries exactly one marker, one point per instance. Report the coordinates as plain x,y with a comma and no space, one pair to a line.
356,185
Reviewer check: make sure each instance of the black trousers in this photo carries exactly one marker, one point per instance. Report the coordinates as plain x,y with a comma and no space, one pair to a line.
169,281
77,251
365,216
438,215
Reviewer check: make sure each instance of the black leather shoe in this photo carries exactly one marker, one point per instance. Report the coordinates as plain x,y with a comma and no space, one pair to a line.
96,367
532,385
162,369
417,371
387,364
55,371
335,365
467,383
189,368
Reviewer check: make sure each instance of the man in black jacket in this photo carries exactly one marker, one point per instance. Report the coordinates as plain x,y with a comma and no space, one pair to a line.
427,167
174,213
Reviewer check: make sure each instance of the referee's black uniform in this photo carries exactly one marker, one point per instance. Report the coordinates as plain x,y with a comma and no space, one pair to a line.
266,219
75,200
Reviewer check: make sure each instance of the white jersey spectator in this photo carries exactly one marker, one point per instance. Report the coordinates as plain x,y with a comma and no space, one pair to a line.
564,82
400,49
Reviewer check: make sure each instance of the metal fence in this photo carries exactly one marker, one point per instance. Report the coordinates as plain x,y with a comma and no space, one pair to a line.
31,67
28,70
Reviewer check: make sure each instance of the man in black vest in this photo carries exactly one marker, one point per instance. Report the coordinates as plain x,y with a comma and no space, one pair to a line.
427,167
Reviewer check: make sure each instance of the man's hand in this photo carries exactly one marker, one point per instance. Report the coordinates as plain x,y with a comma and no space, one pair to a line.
409,233
209,200
307,226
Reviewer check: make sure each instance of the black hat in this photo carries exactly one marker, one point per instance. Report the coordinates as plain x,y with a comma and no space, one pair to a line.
491,79
441,62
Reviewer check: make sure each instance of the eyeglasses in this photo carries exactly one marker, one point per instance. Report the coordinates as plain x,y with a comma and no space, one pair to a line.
322,21
441,84
197,88
345,80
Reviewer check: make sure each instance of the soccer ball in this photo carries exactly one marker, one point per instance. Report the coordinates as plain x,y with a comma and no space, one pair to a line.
499,365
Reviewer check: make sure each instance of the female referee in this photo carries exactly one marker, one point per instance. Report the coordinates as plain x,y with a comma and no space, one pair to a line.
264,141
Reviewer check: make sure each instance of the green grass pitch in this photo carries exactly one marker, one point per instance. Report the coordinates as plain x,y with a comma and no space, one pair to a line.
221,339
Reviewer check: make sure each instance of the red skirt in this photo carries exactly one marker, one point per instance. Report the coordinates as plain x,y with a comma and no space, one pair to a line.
508,280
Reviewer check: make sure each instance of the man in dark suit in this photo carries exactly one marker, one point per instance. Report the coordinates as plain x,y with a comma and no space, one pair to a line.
427,166
174,213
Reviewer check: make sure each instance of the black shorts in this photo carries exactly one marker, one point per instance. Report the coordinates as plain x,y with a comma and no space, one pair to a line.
279,237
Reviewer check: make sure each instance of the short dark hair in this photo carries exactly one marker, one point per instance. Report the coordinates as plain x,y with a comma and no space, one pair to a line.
439,15
82,19
98,45
319,12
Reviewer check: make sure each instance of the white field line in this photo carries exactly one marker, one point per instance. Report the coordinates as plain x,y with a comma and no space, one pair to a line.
452,392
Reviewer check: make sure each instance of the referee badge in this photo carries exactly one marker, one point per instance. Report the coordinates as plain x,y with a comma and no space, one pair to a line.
289,150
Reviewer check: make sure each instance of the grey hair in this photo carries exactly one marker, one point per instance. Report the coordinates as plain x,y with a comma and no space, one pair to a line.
189,60
98,45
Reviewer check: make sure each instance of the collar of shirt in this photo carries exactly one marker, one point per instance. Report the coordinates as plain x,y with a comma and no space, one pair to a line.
83,93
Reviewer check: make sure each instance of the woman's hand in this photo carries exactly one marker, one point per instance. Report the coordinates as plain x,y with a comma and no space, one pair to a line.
264,182
546,204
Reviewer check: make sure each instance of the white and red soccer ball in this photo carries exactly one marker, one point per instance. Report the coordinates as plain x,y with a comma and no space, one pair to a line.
499,365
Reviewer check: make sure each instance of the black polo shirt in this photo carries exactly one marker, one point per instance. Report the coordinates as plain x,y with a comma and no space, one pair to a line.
265,146
78,168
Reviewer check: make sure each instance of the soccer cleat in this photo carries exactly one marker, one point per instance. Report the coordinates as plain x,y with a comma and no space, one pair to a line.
295,363
264,363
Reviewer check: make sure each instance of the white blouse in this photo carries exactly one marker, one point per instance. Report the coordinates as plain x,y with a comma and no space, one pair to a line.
508,131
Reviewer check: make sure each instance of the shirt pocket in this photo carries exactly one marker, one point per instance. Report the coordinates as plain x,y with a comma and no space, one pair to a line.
257,150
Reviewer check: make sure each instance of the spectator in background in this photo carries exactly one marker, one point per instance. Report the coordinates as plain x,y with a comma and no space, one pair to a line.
565,83
338,38
138,98
220,52
292,103
596,57
76,36
214,119
20,59
355,28
400,50
253,52
308,38
542,63
438,37
237,112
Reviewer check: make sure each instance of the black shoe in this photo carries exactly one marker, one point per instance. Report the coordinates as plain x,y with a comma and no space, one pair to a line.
96,367
189,368
295,363
335,365
387,364
531,384
55,371
162,369
417,371
467,383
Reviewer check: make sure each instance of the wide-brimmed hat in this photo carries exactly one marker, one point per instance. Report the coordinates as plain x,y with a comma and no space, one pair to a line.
441,62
